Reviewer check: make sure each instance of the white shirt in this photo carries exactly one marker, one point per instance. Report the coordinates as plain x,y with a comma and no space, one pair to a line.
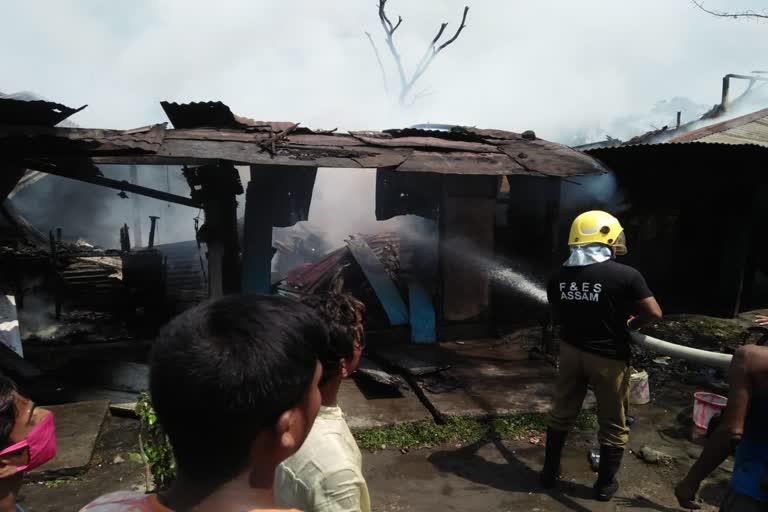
325,475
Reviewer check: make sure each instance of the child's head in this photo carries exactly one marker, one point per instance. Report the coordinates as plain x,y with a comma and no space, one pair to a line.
234,384
343,316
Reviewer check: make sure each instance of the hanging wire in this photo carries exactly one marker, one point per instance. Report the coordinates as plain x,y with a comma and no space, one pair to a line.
167,183
199,251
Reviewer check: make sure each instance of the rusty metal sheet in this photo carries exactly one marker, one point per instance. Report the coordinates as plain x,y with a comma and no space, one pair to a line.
733,138
701,133
215,114
429,144
41,140
197,114
16,111
550,159
311,273
461,163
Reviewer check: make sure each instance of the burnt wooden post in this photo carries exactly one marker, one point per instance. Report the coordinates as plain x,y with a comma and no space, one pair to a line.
217,186
257,232
136,209
467,217
278,196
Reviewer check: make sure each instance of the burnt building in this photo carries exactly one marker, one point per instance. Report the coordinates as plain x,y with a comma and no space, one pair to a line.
451,177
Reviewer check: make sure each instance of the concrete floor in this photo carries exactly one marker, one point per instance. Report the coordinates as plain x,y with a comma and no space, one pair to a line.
378,409
78,426
493,378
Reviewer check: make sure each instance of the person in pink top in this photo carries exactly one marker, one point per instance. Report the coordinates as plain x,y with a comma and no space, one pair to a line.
27,441
234,383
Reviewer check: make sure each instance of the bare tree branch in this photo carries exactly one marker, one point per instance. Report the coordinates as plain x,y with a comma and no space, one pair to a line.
439,34
381,64
722,14
406,84
432,52
458,32
390,30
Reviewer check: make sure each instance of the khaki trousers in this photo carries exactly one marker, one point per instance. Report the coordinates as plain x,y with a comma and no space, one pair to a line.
609,379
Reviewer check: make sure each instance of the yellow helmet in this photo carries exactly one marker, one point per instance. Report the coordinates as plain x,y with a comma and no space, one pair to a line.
598,227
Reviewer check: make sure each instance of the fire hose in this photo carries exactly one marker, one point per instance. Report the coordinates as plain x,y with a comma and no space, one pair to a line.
693,355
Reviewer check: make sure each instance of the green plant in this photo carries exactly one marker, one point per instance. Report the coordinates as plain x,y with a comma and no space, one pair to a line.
462,429
155,448
54,484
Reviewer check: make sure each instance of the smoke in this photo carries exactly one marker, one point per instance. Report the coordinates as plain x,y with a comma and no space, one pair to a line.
595,192
302,61
95,214
37,318
343,204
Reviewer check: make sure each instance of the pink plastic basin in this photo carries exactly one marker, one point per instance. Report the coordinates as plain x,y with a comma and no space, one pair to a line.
706,405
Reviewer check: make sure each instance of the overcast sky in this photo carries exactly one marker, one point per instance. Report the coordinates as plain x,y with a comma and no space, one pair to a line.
555,66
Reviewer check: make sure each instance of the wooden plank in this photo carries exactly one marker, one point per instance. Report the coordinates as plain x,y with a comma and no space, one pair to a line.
422,313
461,163
429,143
382,284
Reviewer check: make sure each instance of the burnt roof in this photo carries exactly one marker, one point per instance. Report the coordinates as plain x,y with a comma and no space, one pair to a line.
748,129
209,131
16,111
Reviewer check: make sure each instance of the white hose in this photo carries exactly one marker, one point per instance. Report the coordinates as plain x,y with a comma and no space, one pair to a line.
694,355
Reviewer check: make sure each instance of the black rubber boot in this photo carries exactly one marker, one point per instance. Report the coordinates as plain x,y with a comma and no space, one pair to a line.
610,463
551,472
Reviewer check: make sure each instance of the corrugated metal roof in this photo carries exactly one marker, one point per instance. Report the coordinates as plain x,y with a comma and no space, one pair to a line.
15,111
43,140
215,114
749,129
688,163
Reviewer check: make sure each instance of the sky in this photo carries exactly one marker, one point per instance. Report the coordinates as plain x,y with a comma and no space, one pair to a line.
559,67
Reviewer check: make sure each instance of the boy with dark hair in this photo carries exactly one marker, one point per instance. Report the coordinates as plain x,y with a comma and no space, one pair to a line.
325,475
234,383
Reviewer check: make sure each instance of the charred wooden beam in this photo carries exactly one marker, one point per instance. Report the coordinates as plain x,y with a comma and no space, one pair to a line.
123,186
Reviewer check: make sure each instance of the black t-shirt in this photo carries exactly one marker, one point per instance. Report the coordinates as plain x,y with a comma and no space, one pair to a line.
593,304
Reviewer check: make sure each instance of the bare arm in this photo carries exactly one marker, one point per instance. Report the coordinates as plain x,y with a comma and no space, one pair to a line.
648,312
723,440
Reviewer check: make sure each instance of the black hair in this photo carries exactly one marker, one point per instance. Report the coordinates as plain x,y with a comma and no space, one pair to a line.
7,409
224,371
343,315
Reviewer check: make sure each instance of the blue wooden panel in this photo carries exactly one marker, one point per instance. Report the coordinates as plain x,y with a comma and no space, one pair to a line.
422,314
382,284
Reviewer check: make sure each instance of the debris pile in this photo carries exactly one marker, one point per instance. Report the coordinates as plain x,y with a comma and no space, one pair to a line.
339,268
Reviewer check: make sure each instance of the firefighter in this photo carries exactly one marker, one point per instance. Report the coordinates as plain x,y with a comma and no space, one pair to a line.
597,302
